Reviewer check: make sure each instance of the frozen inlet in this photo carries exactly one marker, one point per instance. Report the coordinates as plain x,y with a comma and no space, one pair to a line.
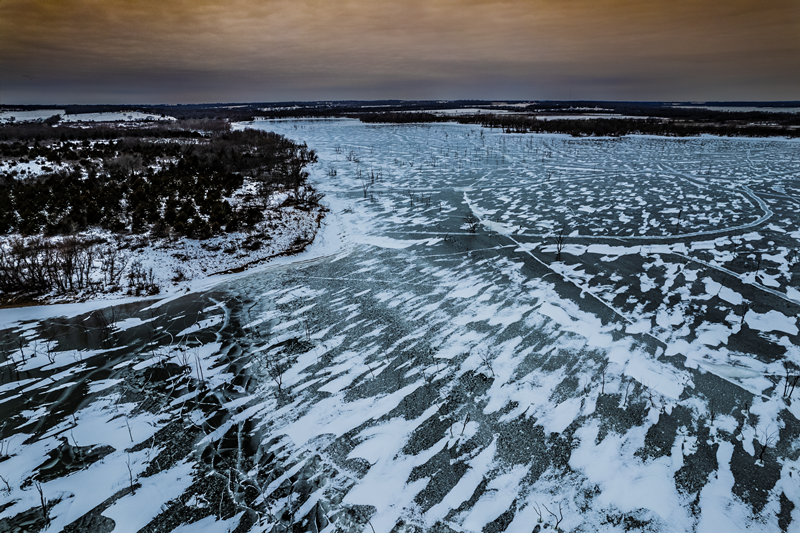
609,342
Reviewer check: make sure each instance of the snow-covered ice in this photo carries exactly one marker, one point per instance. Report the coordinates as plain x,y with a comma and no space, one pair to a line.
405,372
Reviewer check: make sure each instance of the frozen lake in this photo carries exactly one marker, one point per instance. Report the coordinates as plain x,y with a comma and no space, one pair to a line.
493,332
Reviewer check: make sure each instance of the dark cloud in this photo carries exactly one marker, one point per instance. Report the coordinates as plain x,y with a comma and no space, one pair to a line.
181,51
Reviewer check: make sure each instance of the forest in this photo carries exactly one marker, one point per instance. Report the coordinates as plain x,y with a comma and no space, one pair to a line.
172,180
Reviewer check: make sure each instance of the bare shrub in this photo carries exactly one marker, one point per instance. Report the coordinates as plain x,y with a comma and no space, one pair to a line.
141,281
113,262
36,266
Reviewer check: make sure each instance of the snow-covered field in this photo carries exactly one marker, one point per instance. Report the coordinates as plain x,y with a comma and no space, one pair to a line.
28,116
124,116
405,373
42,114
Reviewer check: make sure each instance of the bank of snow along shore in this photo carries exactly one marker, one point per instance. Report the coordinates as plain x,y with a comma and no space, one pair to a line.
139,210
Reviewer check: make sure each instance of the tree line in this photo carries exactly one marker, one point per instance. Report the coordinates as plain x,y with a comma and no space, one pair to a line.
600,127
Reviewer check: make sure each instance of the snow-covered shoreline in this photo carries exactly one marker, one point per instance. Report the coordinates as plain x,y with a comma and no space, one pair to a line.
185,265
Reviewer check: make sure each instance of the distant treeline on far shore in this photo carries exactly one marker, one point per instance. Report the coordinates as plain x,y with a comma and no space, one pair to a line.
578,127
742,119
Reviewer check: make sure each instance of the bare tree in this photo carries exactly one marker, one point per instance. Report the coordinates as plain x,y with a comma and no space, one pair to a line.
130,475
472,222
603,370
43,501
560,242
466,421
745,309
538,511
558,518
766,439
792,377
486,359
277,365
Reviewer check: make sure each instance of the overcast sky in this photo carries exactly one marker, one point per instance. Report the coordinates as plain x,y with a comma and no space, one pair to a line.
173,51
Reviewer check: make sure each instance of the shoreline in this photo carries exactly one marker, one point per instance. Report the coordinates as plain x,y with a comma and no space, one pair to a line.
15,314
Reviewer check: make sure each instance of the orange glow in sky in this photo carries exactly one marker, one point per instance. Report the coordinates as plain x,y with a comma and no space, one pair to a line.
125,51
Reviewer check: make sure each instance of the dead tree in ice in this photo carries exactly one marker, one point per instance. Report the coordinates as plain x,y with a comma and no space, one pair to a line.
538,512
277,365
765,440
486,359
44,503
560,242
558,518
472,222
745,309
722,283
130,475
466,421
603,370
792,377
